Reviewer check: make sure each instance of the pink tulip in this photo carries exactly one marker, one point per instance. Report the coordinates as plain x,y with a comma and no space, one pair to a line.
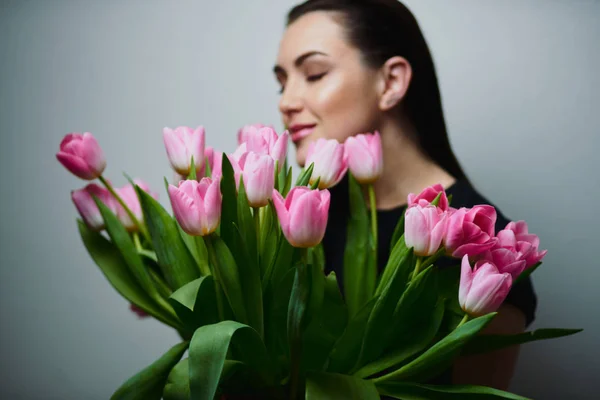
482,289
85,204
510,260
330,163
365,157
197,205
243,132
303,215
130,198
215,161
82,155
258,173
264,140
516,234
182,143
428,195
424,229
470,231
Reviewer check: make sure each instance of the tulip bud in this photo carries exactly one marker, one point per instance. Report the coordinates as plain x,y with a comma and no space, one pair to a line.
264,140
247,130
470,231
129,196
329,160
197,205
482,289
85,204
365,157
259,178
182,143
424,229
428,195
527,243
303,215
82,155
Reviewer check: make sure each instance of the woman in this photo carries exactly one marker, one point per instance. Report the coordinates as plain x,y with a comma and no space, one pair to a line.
347,67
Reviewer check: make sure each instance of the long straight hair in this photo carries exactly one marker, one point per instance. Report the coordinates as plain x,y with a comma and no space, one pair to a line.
382,29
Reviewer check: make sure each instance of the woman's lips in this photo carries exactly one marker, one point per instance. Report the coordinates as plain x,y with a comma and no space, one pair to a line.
303,132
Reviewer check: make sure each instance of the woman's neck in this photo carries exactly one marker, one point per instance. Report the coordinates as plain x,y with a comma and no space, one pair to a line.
405,168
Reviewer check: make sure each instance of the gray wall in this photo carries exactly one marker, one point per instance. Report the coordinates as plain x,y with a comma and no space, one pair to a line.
520,85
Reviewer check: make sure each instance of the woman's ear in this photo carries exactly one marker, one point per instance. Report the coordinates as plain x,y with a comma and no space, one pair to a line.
396,74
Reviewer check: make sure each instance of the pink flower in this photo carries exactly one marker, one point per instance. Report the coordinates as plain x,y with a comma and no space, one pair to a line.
82,155
243,132
428,195
183,143
87,208
525,242
264,140
197,205
470,231
508,260
138,311
365,157
482,289
215,161
330,163
303,215
258,173
425,227
130,198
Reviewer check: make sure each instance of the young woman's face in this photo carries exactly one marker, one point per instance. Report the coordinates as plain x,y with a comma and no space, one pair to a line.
326,89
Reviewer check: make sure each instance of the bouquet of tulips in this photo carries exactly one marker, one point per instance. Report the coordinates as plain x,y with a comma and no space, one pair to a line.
238,271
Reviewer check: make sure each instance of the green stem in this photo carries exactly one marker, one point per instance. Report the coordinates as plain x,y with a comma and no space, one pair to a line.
137,223
218,289
465,319
136,241
296,340
373,220
204,269
417,268
256,215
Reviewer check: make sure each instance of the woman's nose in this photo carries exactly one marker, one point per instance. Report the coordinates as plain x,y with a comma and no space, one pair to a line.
290,101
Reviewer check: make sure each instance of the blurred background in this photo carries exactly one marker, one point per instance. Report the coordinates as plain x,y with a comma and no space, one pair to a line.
521,92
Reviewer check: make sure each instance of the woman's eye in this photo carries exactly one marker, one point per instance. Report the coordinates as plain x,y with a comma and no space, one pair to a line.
316,77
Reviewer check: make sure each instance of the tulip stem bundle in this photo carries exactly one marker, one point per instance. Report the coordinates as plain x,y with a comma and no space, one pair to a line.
373,205
137,223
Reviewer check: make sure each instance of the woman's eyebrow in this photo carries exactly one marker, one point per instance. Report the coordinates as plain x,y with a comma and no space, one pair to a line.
298,62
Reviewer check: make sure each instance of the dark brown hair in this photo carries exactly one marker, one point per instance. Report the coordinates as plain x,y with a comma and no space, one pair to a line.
382,29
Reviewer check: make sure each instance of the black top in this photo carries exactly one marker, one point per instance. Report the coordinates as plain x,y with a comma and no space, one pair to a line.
522,294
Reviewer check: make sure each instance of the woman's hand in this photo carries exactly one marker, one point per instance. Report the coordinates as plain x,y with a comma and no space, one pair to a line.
494,369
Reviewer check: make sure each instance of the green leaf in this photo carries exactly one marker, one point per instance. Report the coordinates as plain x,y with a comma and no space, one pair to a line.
229,205
347,348
195,303
227,274
208,351
277,298
148,384
412,327
176,262
269,231
327,386
440,355
415,391
523,275
197,249
246,225
315,184
394,261
359,274
112,264
377,337
487,343
249,273
304,177
326,327
121,239
284,261
288,183
178,382
192,175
